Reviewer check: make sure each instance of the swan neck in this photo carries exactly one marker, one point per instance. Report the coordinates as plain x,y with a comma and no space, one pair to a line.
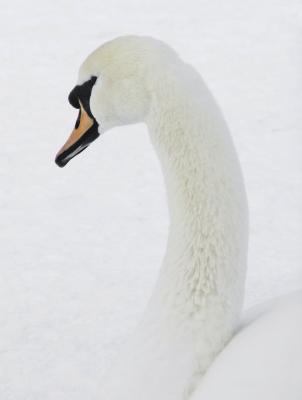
205,256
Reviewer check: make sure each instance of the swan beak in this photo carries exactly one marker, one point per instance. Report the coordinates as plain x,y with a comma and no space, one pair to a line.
84,133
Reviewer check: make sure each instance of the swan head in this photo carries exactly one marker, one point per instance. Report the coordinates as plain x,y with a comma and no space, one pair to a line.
114,88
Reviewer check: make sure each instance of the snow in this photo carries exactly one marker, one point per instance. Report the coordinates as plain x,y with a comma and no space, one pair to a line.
81,247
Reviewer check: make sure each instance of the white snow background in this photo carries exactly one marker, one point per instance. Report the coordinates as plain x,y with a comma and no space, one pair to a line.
80,247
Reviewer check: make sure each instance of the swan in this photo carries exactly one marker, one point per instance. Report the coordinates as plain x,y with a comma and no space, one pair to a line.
196,304
264,359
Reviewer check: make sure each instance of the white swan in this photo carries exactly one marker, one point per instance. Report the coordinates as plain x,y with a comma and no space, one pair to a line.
264,360
195,307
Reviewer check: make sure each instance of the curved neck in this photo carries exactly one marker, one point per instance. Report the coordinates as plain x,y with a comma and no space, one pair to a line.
206,249
194,307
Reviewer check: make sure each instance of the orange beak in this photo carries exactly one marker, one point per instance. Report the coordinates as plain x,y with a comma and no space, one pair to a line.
85,131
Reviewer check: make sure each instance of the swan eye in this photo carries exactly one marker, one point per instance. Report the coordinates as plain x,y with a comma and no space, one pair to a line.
81,93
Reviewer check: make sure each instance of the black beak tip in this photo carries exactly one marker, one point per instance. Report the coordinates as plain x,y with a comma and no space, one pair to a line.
64,156
60,161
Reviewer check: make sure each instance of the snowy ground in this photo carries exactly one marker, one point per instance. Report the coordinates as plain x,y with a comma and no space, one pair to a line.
81,247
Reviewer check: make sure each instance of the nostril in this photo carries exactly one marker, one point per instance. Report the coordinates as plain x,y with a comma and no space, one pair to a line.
78,120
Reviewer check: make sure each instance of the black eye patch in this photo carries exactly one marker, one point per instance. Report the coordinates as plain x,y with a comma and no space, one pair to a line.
82,93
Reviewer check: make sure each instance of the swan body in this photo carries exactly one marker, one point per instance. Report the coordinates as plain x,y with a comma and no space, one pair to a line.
264,359
196,304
